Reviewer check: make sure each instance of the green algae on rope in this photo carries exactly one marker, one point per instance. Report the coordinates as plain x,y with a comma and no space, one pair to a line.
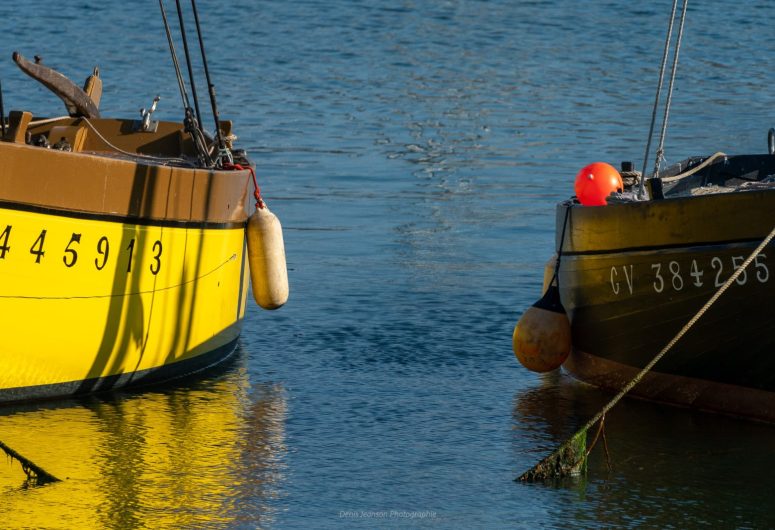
36,475
568,460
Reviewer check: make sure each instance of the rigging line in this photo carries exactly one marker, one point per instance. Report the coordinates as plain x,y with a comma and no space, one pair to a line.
188,121
188,63
181,84
660,149
684,329
708,161
35,474
233,257
198,137
210,86
556,275
658,95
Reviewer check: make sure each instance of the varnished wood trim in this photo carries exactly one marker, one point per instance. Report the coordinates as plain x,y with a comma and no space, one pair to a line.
732,400
122,188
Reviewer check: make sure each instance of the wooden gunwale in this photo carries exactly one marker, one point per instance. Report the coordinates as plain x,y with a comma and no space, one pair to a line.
139,191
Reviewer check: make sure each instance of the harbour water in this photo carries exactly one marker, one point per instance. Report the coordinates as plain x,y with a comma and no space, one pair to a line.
414,152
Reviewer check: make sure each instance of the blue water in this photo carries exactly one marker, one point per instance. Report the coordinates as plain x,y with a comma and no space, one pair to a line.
414,152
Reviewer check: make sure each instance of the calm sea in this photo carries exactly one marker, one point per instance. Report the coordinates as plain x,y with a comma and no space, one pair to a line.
414,151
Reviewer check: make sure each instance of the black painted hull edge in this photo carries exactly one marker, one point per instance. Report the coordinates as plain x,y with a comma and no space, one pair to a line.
142,378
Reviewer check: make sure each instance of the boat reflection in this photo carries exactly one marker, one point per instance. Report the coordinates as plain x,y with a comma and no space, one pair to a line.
194,455
555,408
661,456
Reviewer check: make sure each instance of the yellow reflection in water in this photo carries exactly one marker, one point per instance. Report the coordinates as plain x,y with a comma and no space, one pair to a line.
210,453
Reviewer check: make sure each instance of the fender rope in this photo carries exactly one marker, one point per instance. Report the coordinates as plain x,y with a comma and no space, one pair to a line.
260,204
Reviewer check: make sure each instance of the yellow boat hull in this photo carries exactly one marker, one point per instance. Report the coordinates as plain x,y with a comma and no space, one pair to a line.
123,254
91,303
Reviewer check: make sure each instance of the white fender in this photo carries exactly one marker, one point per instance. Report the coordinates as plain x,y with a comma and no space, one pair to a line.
266,256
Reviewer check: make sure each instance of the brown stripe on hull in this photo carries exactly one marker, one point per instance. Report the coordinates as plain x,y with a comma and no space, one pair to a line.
698,394
124,219
675,222
93,184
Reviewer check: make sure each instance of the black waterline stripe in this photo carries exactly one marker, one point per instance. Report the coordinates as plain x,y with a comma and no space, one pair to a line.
123,219
156,375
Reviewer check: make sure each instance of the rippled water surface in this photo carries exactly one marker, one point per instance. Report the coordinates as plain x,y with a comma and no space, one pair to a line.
414,151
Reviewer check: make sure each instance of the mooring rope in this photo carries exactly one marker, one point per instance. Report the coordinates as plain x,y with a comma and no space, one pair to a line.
684,329
35,474
708,161
556,275
600,431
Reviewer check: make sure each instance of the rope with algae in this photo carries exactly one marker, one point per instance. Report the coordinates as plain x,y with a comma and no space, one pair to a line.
36,475
571,457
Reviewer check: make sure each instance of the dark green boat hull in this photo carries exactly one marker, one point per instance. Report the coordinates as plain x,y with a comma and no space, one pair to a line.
633,274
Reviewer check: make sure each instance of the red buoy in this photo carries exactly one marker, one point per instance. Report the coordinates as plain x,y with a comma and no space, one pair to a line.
597,181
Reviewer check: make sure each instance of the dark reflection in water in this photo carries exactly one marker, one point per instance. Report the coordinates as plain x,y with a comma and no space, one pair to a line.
670,468
210,452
